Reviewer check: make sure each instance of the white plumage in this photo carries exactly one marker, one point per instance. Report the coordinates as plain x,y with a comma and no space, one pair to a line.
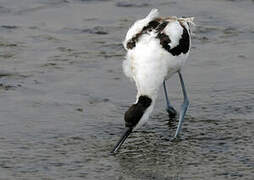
139,25
148,64
156,49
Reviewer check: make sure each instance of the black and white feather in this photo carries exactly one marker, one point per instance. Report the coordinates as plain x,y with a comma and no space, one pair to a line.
156,49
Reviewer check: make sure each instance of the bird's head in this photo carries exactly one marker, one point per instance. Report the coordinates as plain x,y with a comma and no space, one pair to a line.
132,117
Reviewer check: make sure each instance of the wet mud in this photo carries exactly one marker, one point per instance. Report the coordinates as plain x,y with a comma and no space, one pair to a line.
63,94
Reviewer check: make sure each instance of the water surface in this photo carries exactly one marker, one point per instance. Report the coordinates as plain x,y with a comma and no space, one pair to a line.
63,93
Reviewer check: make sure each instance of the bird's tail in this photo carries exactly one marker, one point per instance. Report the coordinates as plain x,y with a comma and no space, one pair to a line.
139,25
154,13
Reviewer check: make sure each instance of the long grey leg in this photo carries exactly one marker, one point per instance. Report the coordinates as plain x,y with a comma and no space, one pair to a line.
184,106
170,109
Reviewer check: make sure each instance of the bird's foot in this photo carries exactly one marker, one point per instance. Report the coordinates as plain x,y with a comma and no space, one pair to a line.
176,139
171,112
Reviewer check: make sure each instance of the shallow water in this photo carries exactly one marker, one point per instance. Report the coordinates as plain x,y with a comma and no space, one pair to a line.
63,94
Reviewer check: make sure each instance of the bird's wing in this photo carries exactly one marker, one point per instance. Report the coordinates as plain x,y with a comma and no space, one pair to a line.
174,31
175,37
138,26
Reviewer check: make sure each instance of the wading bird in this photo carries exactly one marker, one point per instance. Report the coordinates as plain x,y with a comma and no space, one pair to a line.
156,49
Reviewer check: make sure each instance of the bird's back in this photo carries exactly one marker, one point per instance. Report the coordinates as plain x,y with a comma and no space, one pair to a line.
156,49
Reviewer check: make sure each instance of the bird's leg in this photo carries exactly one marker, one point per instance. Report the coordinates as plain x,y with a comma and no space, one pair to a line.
184,106
170,109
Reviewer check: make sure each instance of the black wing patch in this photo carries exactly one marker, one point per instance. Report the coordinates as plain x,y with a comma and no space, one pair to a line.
164,41
184,44
161,26
182,47
152,25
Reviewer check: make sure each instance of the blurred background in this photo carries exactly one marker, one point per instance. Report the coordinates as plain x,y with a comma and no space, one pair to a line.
63,94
